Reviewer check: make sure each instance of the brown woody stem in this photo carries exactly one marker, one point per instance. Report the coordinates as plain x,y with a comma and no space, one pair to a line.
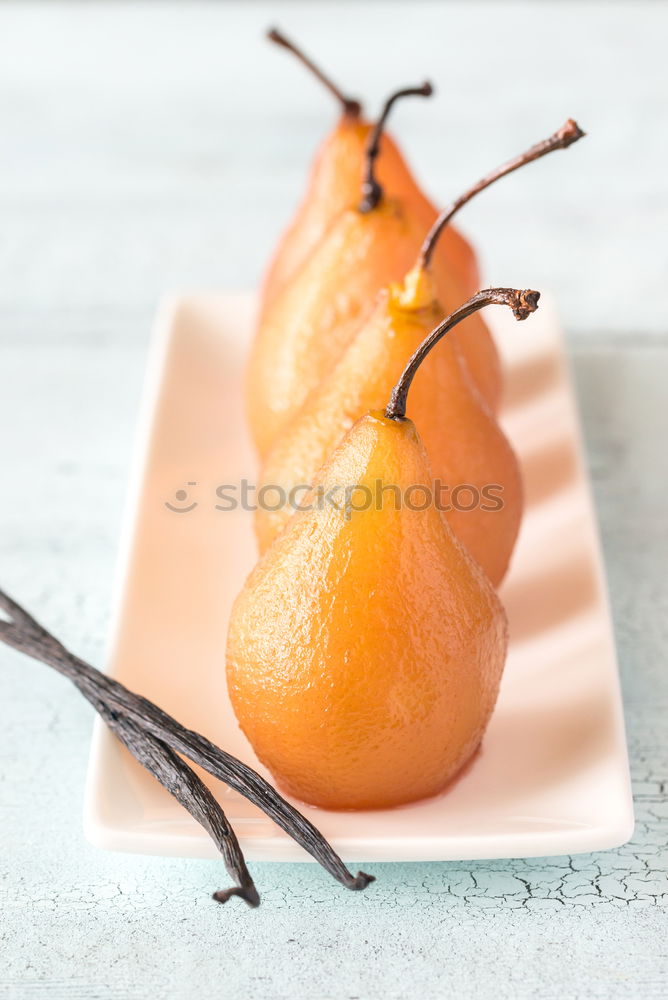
569,133
522,303
349,105
371,189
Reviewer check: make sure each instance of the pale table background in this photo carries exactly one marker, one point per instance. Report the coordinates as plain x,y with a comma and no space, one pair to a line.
147,147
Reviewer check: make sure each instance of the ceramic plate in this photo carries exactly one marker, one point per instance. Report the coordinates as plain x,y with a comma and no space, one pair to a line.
552,775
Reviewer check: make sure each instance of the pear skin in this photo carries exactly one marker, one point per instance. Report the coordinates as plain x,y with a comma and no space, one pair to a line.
331,264
454,268
318,313
316,316
366,648
334,185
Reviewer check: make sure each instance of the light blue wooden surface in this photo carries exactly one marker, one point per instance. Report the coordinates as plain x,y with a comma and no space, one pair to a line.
146,147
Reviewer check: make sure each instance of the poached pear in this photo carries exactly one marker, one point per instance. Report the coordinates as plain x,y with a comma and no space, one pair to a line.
366,648
319,312
472,460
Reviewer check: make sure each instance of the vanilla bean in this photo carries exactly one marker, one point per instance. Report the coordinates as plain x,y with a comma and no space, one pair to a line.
166,766
185,786
26,635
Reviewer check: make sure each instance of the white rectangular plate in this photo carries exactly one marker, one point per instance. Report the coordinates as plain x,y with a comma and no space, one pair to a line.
552,775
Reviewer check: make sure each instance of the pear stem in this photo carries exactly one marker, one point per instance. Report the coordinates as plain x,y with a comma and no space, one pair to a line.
350,106
569,133
371,189
522,303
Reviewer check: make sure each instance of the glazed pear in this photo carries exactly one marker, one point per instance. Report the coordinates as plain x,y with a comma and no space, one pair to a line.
314,317
334,185
467,449
322,308
366,648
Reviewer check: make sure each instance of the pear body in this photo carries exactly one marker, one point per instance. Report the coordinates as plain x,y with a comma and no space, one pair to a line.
333,185
329,266
366,648
315,317
468,452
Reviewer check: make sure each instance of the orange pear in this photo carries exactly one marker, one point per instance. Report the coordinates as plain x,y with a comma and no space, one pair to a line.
334,185
334,181
309,323
473,462
366,648
319,312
